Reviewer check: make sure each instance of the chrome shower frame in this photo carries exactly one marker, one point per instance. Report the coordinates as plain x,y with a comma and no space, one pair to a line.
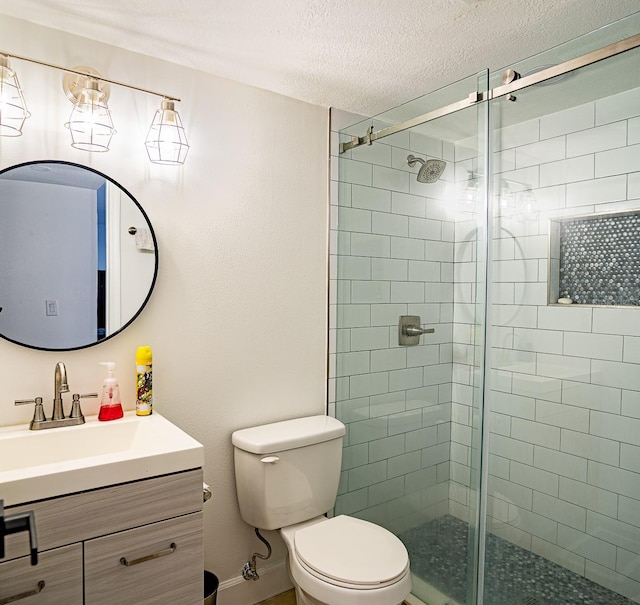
513,83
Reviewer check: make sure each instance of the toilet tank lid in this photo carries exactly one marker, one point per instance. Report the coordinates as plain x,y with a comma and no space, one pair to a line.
288,434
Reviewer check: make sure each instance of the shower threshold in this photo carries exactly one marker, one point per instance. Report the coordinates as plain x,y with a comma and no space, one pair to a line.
429,595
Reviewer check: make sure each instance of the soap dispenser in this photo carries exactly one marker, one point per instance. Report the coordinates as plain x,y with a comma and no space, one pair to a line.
110,406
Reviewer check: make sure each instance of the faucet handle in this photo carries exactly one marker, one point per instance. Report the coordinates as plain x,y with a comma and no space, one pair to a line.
76,412
38,412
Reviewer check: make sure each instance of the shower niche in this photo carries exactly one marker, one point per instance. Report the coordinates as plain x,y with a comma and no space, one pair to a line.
595,259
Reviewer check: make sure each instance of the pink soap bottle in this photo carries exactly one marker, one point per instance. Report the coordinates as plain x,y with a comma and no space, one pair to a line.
110,406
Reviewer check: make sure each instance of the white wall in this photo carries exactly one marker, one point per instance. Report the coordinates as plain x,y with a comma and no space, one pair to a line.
237,322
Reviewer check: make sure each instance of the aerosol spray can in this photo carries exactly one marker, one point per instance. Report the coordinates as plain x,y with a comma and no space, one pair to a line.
144,390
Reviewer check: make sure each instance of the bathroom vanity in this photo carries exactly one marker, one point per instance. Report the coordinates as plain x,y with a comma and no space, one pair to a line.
132,542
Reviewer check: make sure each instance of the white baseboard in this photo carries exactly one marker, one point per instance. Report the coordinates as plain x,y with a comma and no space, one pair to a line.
273,580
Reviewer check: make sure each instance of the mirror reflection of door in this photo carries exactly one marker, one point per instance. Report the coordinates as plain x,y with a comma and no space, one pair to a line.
72,272
113,314
137,256
130,261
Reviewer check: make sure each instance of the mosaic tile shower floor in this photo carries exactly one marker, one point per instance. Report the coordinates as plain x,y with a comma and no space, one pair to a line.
513,576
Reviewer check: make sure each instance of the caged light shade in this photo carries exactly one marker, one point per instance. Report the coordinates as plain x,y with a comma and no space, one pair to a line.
90,122
13,109
166,140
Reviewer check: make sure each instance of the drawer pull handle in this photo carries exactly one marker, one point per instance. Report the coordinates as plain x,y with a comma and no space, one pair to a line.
161,553
23,595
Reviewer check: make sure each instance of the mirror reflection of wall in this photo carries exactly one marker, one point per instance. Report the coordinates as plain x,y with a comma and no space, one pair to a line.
72,272
45,298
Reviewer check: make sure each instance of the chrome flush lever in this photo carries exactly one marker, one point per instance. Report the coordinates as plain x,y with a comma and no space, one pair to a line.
409,330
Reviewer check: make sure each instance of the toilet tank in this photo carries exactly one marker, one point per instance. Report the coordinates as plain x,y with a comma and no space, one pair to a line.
287,472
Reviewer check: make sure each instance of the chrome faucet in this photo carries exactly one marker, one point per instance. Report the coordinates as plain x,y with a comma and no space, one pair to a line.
60,385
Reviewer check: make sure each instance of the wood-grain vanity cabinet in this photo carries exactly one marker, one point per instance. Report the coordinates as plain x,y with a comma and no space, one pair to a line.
138,543
55,580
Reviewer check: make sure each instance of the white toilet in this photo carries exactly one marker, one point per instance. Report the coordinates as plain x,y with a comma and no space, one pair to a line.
287,476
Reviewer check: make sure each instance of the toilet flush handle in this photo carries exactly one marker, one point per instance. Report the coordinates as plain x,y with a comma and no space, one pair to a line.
270,460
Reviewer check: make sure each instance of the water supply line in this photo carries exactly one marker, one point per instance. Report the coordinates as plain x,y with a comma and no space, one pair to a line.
249,571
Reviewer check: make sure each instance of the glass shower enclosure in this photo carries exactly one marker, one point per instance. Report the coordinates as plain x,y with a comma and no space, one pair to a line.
485,328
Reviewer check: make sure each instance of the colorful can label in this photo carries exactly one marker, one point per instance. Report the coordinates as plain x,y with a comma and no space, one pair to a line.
144,390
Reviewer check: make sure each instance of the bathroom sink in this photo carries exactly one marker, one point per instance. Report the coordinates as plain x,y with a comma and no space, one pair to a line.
53,462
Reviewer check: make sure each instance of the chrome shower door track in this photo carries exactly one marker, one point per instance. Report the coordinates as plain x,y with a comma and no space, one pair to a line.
371,136
611,50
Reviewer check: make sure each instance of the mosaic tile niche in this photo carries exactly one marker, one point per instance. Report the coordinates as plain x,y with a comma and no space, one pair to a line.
595,260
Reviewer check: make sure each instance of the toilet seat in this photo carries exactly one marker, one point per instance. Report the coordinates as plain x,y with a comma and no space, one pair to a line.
367,557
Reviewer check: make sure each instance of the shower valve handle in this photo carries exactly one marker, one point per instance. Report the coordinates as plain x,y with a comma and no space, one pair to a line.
409,330
417,330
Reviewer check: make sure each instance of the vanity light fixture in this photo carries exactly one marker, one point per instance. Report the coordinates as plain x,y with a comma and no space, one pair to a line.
13,109
166,140
90,123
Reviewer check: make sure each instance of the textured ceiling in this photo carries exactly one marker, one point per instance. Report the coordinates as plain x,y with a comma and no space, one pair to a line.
363,56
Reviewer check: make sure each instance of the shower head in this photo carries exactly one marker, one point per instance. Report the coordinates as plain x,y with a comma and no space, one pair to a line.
430,171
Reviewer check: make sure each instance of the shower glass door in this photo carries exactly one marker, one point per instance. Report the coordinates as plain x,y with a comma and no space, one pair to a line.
407,247
504,453
563,397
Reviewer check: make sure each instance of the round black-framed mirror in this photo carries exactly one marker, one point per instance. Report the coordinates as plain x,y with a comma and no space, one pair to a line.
78,256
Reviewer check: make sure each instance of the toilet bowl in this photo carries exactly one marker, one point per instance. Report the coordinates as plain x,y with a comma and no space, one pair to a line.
346,561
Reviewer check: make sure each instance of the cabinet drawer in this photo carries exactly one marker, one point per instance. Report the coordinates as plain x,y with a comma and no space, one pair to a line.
165,565
78,517
60,569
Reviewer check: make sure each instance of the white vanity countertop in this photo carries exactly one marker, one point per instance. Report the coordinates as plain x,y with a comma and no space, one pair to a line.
53,462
